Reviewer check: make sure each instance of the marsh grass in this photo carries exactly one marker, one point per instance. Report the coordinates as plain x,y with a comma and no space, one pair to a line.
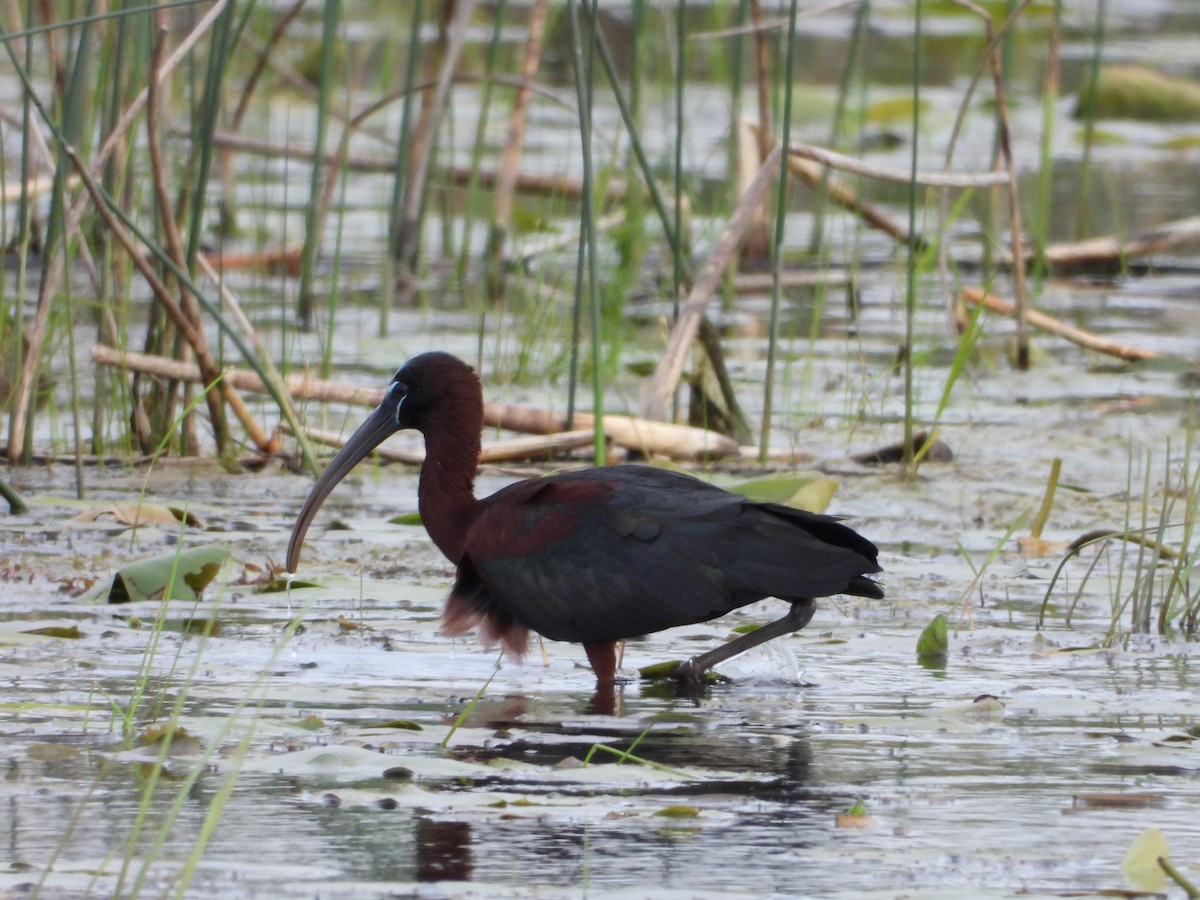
215,72
87,78
169,780
1147,564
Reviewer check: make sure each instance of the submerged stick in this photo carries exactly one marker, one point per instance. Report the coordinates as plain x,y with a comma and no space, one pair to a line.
1075,335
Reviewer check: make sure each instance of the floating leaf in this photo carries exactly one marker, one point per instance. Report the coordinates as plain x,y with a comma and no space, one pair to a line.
812,493
67,632
410,518
894,109
1038,547
310,723
401,724
933,644
855,817
665,671
280,584
1180,143
679,812
136,512
1140,864
44,751
1139,92
187,574
345,624
660,670
182,742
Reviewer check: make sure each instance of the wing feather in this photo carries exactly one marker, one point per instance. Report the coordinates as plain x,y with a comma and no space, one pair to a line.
614,553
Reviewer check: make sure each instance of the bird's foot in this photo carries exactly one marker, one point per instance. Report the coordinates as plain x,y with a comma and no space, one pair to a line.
686,672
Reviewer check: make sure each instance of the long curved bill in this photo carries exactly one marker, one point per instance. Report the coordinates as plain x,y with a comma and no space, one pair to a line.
370,434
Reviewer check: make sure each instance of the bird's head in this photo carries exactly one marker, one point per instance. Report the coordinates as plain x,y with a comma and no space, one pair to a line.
434,393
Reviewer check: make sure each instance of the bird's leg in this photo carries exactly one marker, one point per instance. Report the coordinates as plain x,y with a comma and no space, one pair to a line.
797,617
603,658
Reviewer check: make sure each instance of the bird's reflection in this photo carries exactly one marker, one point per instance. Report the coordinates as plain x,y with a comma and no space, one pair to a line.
443,850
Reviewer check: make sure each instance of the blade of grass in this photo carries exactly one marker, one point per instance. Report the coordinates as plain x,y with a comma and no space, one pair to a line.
583,90
911,246
781,207
330,31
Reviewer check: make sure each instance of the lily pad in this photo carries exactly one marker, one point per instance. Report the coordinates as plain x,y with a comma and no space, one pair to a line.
679,812
66,632
934,643
186,574
1141,865
1139,92
812,493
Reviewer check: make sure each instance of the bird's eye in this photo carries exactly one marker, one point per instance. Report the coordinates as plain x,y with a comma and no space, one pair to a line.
396,393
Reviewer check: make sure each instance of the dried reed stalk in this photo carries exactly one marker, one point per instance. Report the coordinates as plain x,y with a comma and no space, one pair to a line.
670,367
1075,335
510,157
645,436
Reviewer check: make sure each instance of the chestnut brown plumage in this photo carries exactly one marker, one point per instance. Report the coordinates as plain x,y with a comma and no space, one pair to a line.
599,555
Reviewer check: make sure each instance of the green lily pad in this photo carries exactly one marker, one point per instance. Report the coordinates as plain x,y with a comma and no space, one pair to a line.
186,574
812,493
1140,92
67,632
679,812
409,518
400,724
934,644
1141,865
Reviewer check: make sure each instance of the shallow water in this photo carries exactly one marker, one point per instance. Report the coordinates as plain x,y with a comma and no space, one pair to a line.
985,798
324,747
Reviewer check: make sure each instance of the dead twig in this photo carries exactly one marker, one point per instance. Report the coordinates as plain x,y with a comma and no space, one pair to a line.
424,138
541,446
506,184
687,326
641,435
1110,252
1075,335
926,179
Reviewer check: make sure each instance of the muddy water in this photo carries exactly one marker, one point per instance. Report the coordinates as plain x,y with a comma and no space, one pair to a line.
335,794
1028,763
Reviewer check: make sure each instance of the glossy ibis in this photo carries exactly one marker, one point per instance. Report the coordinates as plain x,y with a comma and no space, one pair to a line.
600,555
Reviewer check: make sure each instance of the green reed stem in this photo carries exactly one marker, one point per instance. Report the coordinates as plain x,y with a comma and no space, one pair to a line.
330,27
910,290
677,161
1088,114
781,208
392,261
583,90
267,374
858,36
627,117
480,144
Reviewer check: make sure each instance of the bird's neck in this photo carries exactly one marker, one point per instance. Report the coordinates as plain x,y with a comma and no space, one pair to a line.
446,493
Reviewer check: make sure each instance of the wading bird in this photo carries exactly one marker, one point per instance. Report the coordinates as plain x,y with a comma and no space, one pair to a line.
595,556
